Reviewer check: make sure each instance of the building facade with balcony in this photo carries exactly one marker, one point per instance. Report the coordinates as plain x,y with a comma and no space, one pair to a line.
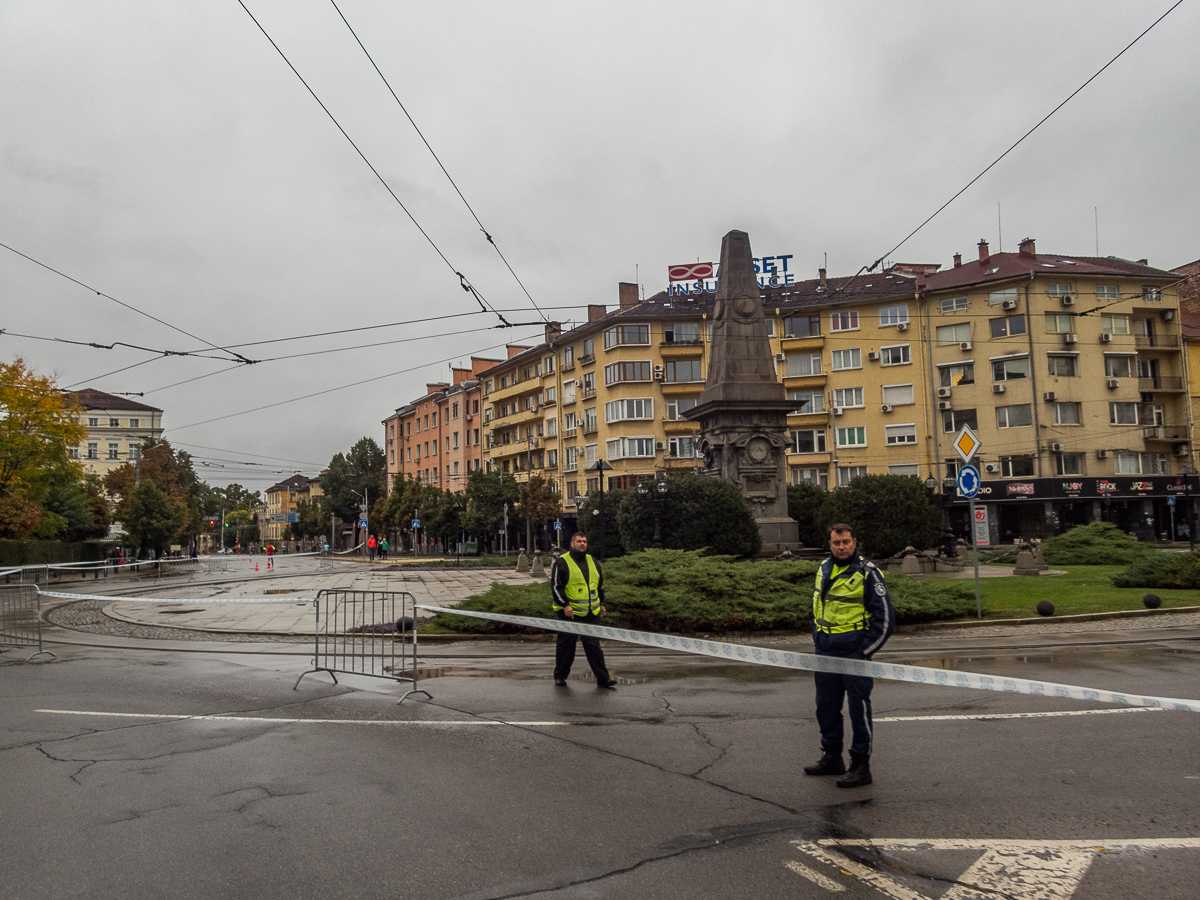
117,428
283,504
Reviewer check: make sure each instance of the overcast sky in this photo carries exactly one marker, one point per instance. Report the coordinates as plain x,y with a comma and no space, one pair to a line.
165,155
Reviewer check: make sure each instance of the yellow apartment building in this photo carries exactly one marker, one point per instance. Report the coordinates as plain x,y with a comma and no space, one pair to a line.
117,427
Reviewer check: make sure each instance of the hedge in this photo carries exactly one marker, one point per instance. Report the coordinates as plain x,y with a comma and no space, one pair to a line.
30,553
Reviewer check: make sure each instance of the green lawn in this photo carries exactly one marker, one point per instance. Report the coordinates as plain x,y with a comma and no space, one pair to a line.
1084,589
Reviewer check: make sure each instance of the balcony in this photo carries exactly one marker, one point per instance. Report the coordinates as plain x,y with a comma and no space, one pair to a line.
550,401
1162,383
1156,341
590,427
588,393
1163,433
571,467
568,366
681,349
587,360
568,433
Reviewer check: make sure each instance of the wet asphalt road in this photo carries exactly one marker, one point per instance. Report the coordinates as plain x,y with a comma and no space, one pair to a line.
685,782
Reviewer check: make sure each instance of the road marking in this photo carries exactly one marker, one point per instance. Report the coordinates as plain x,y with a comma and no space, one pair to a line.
815,877
272,719
1036,870
1037,715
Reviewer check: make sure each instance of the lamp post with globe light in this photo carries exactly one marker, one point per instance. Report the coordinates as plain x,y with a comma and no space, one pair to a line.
657,503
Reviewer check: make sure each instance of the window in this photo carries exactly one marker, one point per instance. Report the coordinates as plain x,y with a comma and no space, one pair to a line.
1014,416
131,453
853,436
954,334
1113,324
572,459
995,298
1059,323
93,451
801,364
614,373
1058,290
954,375
569,421
504,382
677,407
910,469
682,333
810,440
683,370
620,335
114,451
476,437
1069,464
589,417
133,423
846,474
93,423
1063,366
953,304
900,434
549,395
802,326
588,349
1123,413
589,455
572,489
633,408
1127,462
1016,466
682,447
846,359
627,447
843,321
893,315
408,454
552,426
1151,293
114,423
898,394
568,356
569,391
819,477
74,452
589,384
456,467
552,458
894,356
807,402
1118,366
548,365
1010,369
1008,326
1107,292
848,397
1067,414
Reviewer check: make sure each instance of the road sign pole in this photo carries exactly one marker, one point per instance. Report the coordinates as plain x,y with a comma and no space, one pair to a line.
975,553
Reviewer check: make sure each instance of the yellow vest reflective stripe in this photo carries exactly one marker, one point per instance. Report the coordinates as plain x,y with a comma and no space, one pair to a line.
584,593
841,610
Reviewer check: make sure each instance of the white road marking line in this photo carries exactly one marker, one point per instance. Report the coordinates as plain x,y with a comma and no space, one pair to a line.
1038,875
1036,715
1184,843
231,718
815,877
880,882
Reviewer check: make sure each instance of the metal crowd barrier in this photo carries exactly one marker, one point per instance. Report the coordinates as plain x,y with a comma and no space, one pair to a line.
366,633
21,617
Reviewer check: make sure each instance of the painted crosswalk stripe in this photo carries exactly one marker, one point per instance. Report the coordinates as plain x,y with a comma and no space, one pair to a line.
815,877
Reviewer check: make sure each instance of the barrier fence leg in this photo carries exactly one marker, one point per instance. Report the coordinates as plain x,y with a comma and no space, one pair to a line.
415,655
316,649
40,650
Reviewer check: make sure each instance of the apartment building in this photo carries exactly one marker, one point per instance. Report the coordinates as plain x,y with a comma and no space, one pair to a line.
117,427
283,504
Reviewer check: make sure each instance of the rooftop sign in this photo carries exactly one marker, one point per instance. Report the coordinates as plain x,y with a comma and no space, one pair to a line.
697,279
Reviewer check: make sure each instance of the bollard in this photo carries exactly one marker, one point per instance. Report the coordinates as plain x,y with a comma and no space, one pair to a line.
538,570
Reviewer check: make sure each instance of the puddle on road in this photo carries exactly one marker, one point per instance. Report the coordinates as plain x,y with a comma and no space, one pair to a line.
738,674
1072,657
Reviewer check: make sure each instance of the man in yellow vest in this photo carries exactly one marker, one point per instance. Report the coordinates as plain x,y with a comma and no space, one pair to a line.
852,616
577,588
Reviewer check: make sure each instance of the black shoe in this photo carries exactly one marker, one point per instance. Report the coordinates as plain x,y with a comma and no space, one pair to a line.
560,682
830,763
859,774
611,684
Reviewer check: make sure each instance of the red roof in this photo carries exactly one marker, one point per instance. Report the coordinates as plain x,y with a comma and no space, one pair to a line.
90,398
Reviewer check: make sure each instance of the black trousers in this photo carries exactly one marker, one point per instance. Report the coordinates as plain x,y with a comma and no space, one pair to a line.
564,652
834,688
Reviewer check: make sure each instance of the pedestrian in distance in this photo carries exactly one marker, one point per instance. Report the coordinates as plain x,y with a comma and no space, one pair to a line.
577,595
852,617
371,545
270,548
383,548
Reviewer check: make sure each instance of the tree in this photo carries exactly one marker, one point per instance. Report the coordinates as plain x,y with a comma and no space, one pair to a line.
361,469
805,501
312,518
172,473
590,525
38,428
537,502
887,513
486,494
150,518
698,512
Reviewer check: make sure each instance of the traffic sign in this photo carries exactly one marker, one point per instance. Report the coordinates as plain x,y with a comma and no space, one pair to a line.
966,444
1170,501
558,525
416,523
362,523
968,481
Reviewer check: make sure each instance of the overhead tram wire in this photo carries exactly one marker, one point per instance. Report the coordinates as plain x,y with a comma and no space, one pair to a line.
464,283
994,162
115,344
278,459
98,293
421,135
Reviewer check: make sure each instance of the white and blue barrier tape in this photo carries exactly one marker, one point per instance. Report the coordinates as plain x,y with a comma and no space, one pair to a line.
812,662
200,601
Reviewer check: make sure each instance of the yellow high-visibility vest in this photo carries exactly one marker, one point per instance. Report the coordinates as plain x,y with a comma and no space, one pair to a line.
584,593
841,610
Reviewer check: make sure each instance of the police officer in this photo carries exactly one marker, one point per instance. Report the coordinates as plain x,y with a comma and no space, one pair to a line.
577,588
852,616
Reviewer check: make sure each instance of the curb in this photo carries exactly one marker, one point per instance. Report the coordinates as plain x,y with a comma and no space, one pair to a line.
1044,620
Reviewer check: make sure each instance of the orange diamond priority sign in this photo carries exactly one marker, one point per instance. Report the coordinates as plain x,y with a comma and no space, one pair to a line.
966,443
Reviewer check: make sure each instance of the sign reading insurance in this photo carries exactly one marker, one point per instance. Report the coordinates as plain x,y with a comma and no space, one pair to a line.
695,279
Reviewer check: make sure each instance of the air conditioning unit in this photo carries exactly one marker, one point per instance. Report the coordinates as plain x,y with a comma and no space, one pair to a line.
660,445
902,326
992,467
965,345
1168,315
1009,304
779,357
1112,384
838,410
1054,448
998,389
1101,454
945,404
943,392
887,407
1071,338
1050,396
1181,449
1106,338
873,355
659,373
1067,300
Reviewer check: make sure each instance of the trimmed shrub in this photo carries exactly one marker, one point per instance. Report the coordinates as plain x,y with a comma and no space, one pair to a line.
1096,544
1156,569
887,513
804,505
28,553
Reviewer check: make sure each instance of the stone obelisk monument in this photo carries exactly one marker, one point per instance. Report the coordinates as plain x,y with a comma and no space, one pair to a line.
743,409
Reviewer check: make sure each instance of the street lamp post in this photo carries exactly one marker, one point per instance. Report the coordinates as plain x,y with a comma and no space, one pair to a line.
657,504
600,467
